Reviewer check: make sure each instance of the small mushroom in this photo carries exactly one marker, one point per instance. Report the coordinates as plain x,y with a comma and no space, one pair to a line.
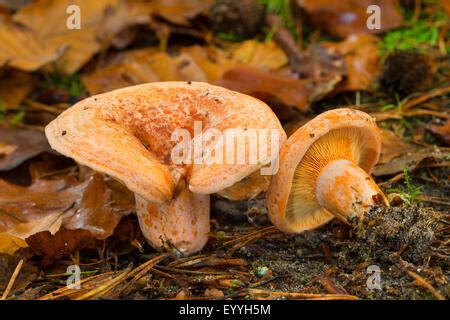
325,172
127,134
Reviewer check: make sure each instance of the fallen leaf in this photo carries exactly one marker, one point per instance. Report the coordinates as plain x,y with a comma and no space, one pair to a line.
270,88
48,205
101,21
10,244
441,131
361,61
22,48
6,149
180,11
48,20
15,86
96,212
346,17
410,161
265,55
140,66
392,146
56,246
28,142
27,209
193,63
8,264
211,60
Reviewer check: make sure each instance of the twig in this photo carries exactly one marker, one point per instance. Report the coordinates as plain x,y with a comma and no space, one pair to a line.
431,94
424,284
12,280
299,295
286,42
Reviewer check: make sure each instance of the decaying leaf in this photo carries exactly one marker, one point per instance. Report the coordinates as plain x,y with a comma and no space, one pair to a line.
10,244
29,209
346,17
22,49
273,89
15,85
98,212
392,146
410,161
261,55
8,264
442,131
56,246
361,61
27,143
192,64
180,11
140,66
101,21
48,20
49,205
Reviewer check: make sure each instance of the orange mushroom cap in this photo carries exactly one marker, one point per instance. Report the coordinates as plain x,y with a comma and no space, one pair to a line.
127,134
325,170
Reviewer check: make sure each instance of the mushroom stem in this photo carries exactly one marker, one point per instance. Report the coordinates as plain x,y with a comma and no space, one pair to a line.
346,190
183,222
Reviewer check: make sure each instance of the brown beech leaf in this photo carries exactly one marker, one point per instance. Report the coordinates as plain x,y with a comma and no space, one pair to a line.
48,19
101,21
15,85
213,61
27,143
180,11
48,205
56,246
272,89
194,63
98,212
10,244
140,66
441,131
361,61
27,210
261,55
410,161
22,48
346,17
392,146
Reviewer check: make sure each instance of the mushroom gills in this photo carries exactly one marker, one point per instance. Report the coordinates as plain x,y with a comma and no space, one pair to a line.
340,150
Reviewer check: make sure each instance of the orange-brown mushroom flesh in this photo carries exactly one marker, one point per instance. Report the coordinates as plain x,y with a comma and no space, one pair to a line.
324,171
127,134
183,223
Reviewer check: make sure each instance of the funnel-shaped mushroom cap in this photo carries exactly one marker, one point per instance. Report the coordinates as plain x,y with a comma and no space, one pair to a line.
132,135
313,184
127,133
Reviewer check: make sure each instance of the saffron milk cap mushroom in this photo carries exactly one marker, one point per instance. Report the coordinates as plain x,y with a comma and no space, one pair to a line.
324,172
129,135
